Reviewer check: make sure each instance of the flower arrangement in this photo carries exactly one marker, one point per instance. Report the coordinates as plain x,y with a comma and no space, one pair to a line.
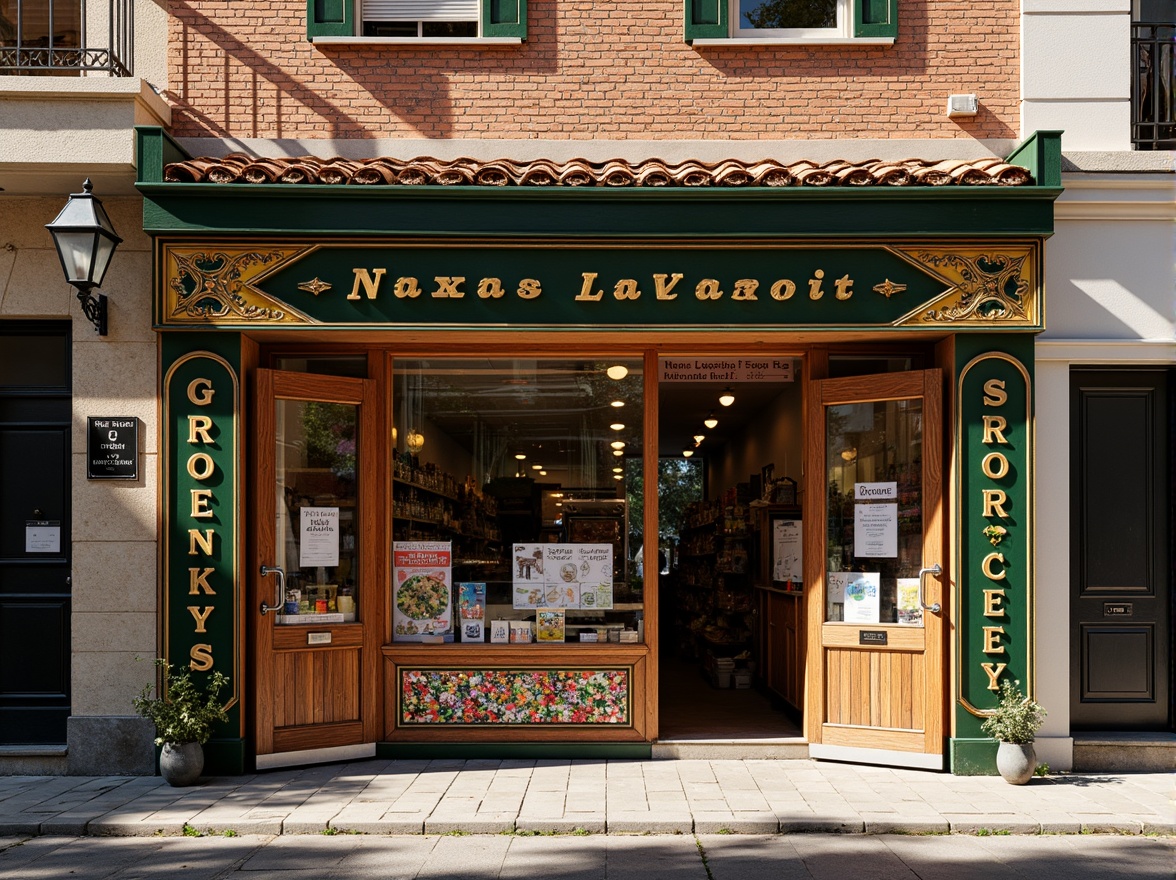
1016,719
450,696
188,711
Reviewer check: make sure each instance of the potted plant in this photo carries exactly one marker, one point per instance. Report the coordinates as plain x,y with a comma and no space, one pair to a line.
1014,724
183,716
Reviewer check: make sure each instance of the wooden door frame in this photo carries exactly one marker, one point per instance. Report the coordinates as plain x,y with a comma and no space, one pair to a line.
928,385
271,385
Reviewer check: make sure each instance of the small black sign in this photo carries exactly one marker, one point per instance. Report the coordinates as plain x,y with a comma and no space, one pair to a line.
112,448
1118,609
872,637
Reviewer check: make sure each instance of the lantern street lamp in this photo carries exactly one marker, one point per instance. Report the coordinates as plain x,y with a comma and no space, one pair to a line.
85,241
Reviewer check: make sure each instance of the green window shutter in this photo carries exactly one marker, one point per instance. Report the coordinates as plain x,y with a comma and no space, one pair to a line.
330,18
875,18
504,18
706,19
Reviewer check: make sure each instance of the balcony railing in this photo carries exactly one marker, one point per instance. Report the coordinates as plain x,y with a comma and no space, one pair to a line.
1153,76
52,37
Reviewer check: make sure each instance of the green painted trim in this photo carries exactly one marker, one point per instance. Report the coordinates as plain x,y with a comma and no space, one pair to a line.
705,19
543,213
972,757
875,18
504,18
330,18
225,757
154,149
1041,153
470,751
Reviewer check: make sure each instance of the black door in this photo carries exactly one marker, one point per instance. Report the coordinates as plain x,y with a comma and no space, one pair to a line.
1121,550
35,408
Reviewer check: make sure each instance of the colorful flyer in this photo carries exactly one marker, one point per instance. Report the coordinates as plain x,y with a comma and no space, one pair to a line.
471,611
550,625
862,597
421,572
910,610
562,576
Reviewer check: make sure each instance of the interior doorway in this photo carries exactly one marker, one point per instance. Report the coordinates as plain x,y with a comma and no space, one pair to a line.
730,450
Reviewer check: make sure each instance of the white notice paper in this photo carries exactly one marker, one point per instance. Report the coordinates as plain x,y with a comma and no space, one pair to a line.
319,530
786,551
42,536
875,530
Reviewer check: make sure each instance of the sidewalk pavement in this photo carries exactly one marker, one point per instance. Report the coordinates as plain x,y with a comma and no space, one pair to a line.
413,797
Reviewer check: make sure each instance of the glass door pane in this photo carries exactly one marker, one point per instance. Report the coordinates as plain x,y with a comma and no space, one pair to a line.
316,457
874,463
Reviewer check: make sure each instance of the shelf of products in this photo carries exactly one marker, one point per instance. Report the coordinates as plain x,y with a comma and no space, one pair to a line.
715,608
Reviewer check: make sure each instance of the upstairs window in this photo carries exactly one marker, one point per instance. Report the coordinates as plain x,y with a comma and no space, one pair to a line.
714,22
1153,74
349,21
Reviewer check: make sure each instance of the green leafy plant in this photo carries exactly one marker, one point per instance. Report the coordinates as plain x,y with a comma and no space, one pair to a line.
1016,719
1041,770
187,712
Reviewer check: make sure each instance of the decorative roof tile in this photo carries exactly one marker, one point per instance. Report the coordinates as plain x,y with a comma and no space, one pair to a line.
424,171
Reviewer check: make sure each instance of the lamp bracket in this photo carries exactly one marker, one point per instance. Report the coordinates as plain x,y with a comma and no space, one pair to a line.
94,308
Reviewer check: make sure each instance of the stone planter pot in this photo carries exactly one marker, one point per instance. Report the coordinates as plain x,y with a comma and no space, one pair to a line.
181,763
1016,762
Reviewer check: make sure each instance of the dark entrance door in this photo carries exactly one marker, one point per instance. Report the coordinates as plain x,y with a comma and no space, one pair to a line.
1121,546
35,389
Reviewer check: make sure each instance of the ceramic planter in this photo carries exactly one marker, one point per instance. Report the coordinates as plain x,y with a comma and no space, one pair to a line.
180,763
1016,762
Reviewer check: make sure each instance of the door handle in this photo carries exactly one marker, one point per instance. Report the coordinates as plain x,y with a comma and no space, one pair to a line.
267,570
935,570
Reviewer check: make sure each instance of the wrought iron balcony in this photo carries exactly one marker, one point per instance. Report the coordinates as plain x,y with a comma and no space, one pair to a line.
54,38
1153,78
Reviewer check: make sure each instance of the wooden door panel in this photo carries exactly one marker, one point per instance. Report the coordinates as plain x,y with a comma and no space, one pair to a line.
878,688
316,687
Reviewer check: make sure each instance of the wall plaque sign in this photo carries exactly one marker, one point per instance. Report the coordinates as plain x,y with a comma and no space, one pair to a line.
872,637
112,448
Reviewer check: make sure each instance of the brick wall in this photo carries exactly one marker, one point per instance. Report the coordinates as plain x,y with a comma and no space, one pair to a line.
245,69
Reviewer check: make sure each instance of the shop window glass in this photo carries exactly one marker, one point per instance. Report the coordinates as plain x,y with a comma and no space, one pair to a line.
874,454
316,462
516,500
841,366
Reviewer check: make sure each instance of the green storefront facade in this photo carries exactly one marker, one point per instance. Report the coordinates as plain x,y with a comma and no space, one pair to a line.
252,277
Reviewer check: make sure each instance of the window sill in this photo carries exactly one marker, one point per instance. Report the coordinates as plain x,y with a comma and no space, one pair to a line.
794,41
486,42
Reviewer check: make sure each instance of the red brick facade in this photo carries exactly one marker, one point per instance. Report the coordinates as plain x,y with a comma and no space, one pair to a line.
618,70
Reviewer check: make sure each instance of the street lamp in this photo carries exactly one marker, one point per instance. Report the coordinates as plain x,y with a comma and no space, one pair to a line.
85,241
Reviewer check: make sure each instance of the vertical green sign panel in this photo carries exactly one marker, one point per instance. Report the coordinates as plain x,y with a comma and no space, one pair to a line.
202,588
993,570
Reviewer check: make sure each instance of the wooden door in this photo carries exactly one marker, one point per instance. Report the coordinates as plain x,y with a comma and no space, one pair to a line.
314,611
876,683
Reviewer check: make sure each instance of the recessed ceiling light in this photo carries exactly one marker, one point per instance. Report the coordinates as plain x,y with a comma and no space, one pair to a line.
617,426
617,477
617,444
618,452
618,470
686,453
617,403
617,371
520,456
543,473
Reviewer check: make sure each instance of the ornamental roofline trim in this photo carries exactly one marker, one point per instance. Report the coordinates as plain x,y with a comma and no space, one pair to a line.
240,168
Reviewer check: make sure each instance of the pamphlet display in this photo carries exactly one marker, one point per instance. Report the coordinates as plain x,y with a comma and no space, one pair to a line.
423,600
471,611
562,576
787,554
853,596
910,610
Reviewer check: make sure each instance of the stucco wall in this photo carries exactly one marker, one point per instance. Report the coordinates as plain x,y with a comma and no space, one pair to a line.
114,522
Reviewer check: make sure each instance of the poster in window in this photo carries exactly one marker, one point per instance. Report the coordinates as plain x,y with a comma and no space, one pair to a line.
423,600
318,532
562,576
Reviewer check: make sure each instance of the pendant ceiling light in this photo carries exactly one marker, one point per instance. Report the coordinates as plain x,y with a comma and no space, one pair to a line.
727,397
710,421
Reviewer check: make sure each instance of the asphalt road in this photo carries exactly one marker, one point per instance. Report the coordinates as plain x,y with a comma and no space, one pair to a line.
593,857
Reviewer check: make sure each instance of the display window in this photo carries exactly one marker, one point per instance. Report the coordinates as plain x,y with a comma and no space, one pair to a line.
516,500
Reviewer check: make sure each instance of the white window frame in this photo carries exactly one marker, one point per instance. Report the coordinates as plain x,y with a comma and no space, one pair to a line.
363,17
843,30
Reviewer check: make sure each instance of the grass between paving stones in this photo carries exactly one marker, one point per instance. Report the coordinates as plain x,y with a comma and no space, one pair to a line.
193,831
533,832
702,855
988,832
331,831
